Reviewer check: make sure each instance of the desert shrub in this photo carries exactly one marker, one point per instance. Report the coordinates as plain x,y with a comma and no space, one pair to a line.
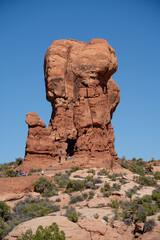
77,176
5,211
58,200
50,233
131,191
103,172
91,171
137,166
89,178
91,182
71,214
157,175
61,179
139,209
101,205
76,168
112,177
146,181
105,218
75,199
45,187
106,190
85,195
3,227
91,195
158,217
122,180
149,225
31,208
4,166
96,215
115,204
10,173
116,187
156,196
75,185
97,180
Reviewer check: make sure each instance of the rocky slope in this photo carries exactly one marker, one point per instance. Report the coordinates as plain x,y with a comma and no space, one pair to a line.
101,215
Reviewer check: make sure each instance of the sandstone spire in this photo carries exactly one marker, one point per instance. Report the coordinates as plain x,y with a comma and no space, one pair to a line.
83,97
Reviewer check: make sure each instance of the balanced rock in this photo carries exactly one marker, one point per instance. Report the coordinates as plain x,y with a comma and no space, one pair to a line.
83,97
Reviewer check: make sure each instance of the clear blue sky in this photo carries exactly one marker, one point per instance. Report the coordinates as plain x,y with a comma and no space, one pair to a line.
132,28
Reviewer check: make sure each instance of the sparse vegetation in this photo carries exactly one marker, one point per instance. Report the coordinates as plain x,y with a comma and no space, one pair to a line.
74,185
72,214
106,190
115,204
75,168
91,171
31,208
91,195
149,225
146,181
137,166
45,187
50,233
61,179
157,175
75,199
103,172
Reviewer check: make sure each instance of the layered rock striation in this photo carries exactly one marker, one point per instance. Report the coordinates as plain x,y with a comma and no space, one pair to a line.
83,97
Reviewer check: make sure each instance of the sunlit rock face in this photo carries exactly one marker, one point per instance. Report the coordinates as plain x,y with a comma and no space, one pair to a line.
83,97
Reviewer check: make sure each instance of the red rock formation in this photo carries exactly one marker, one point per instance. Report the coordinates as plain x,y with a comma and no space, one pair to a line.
83,97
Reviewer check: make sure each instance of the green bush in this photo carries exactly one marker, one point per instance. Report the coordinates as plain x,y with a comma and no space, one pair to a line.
89,178
48,233
115,204
149,225
75,199
91,195
31,208
3,227
75,185
91,171
103,172
157,175
5,211
112,177
85,195
116,187
76,168
146,181
10,173
61,179
139,209
137,166
45,187
72,215
106,190
156,196
130,192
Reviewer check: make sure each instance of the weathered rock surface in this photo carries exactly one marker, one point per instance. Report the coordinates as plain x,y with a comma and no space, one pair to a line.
86,229
83,97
